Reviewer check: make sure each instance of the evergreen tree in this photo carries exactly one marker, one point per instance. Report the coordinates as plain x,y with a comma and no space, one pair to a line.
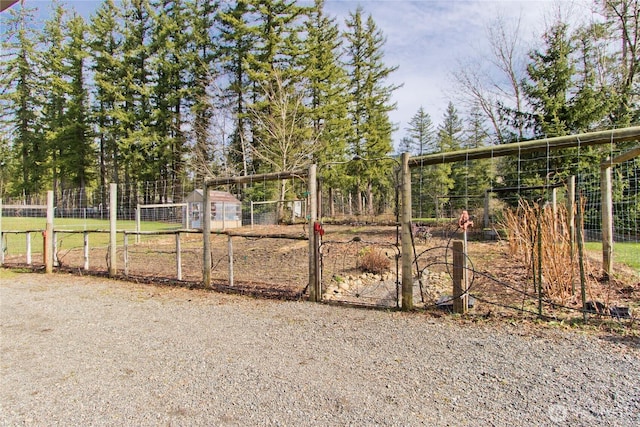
57,87
169,46
275,56
370,104
478,174
236,39
549,83
201,63
274,61
105,43
139,141
77,157
449,176
419,141
21,104
326,86
591,100
562,92
65,114
622,20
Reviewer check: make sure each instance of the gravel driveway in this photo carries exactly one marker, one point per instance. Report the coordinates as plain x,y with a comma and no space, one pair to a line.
89,351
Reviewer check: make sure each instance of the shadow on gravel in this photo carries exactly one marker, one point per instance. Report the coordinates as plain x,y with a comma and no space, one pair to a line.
632,342
254,289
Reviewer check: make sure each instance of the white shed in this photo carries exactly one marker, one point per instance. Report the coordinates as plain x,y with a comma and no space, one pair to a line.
226,210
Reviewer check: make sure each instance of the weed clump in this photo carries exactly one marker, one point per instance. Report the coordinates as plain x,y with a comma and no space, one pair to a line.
373,261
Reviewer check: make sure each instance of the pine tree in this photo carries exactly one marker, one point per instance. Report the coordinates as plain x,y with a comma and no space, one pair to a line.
478,173
449,176
138,144
77,157
65,113
419,141
201,64
105,42
275,59
549,83
21,104
326,88
169,46
623,24
370,104
236,40
57,87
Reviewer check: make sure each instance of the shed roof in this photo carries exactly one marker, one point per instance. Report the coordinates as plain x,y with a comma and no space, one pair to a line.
215,196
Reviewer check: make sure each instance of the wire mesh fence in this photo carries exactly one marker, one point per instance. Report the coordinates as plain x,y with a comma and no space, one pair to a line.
269,250
508,198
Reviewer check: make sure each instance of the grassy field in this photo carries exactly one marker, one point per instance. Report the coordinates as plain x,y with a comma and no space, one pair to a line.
626,253
16,243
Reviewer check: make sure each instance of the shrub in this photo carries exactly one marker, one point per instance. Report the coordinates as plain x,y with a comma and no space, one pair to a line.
374,261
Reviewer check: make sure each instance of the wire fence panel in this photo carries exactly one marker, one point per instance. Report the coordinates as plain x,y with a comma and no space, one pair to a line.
360,265
522,255
270,261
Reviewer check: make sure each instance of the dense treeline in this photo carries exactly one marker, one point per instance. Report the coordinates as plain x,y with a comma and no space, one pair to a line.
177,90
163,90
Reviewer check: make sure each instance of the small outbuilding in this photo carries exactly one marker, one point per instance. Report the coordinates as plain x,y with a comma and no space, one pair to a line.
226,209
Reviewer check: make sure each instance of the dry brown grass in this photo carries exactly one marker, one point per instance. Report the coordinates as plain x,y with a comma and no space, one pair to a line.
559,266
374,261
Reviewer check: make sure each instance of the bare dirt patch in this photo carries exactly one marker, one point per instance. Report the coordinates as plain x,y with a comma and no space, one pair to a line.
277,267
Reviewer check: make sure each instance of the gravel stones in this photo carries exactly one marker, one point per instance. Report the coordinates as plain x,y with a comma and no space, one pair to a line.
88,351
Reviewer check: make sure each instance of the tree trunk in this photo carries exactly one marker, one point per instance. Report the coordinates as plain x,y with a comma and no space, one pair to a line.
332,207
283,192
370,198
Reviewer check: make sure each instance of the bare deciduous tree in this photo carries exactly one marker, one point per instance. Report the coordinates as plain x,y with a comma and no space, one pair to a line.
285,139
498,86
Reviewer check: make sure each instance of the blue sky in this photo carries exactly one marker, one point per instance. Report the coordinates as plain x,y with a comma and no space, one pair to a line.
428,39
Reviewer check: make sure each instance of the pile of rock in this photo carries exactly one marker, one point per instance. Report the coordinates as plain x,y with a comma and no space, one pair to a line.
355,285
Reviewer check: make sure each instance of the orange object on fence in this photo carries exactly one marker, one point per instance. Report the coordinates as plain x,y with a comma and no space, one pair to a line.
464,221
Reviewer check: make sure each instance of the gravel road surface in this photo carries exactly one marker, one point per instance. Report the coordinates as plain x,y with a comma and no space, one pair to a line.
90,351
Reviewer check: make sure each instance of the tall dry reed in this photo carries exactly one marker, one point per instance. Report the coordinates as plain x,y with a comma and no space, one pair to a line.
559,265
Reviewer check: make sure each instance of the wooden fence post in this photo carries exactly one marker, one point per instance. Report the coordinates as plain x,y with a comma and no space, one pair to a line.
86,250
460,302
571,210
48,244
230,246
113,217
607,219
138,219
206,237
314,291
126,254
178,257
28,248
407,248
55,249
1,237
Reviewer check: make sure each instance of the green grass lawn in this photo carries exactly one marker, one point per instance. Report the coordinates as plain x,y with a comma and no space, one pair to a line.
626,253
17,243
